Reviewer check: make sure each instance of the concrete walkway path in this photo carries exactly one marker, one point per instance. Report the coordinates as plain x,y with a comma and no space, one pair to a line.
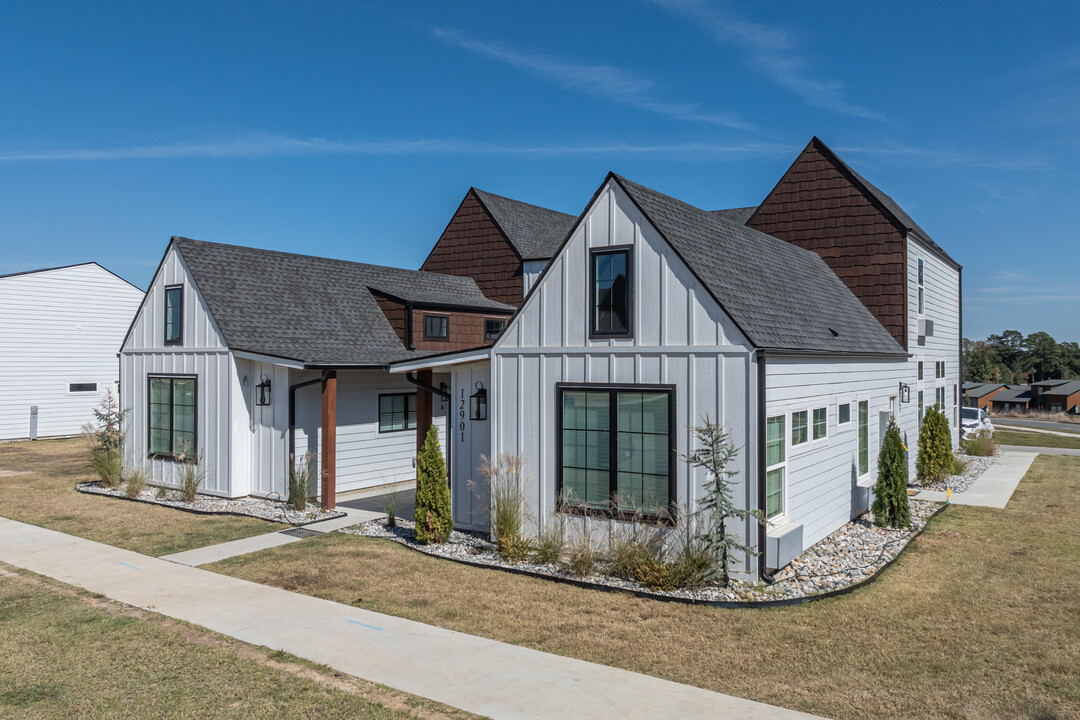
995,486
243,546
472,673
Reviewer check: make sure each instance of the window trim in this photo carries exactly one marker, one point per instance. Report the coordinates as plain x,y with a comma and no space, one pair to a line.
791,439
858,449
813,425
71,388
436,338
595,334
378,412
497,335
844,427
781,517
165,316
195,430
613,512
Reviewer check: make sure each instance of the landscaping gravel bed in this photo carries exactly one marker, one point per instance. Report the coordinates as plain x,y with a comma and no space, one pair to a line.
850,555
975,465
262,508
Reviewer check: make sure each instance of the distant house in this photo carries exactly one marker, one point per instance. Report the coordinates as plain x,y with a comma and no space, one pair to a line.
981,395
59,331
1056,396
1014,398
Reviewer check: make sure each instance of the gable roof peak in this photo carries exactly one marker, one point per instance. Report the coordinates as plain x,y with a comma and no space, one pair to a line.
533,231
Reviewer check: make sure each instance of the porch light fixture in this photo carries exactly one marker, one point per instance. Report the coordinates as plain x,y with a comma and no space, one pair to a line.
905,392
262,391
478,403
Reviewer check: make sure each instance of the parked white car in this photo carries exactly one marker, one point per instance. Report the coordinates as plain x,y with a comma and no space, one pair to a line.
974,420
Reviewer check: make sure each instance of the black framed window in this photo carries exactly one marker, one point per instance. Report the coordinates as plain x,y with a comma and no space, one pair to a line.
397,412
174,314
172,423
493,328
616,448
436,327
82,387
611,287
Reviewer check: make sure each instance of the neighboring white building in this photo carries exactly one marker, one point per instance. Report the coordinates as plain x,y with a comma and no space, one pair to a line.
60,329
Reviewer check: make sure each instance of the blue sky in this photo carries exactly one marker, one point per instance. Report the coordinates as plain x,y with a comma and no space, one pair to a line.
353,130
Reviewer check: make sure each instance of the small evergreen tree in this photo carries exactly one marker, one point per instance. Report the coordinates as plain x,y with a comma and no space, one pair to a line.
433,518
716,451
105,439
935,460
891,499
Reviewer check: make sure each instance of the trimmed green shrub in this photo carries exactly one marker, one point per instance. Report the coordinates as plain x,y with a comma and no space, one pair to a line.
891,506
935,448
105,440
433,516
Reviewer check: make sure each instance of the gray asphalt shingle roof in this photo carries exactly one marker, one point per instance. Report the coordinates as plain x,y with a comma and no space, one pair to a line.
1067,387
783,297
738,215
316,310
981,389
535,232
1015,393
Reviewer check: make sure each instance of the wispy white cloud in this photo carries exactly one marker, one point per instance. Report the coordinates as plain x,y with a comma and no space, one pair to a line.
263,145
601,81
939,157
773,52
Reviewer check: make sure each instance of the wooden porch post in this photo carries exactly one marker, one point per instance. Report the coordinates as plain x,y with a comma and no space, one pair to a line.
423,408
329,439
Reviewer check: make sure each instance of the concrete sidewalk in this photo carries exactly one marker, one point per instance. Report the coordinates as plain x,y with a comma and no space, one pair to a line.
243,546
995,486
1043,450
475,674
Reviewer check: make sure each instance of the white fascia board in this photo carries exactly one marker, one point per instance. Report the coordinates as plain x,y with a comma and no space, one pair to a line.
458,358
284,362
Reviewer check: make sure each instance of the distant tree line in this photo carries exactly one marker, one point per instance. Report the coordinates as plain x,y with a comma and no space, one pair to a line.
1014,358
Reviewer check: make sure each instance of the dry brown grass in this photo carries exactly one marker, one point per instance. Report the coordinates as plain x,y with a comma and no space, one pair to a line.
42,492
1005,435
66,653
978,619
1041,415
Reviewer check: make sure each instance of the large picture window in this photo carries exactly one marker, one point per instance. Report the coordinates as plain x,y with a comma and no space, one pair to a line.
172,415
616,449
397,412
174,315
611,292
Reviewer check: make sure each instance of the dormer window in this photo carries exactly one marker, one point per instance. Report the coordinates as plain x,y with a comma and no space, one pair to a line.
174,315
436,327
611,298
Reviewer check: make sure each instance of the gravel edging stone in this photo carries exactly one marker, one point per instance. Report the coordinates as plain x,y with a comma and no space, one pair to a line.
255,507
852,556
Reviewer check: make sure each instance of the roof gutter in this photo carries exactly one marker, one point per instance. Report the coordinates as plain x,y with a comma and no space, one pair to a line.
836,353
763,527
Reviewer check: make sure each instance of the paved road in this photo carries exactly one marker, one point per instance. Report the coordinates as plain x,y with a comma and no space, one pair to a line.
471,673
1046,424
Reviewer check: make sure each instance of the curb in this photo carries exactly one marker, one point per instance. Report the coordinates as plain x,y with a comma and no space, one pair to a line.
196,511
645,594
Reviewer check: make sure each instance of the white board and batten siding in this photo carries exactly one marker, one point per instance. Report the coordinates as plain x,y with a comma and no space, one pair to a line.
530,271
681,337
58,328
941,303
822,479
204,354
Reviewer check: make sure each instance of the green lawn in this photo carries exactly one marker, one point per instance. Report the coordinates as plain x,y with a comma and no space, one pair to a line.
65,654
978,619
42,492
1035,439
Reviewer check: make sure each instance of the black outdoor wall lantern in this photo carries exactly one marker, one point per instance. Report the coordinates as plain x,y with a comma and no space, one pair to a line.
905,392
262,391
478,403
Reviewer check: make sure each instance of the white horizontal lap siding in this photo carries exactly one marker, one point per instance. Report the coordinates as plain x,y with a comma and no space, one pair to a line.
680,337
365,457
202,354
821,475
941,288
59,327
